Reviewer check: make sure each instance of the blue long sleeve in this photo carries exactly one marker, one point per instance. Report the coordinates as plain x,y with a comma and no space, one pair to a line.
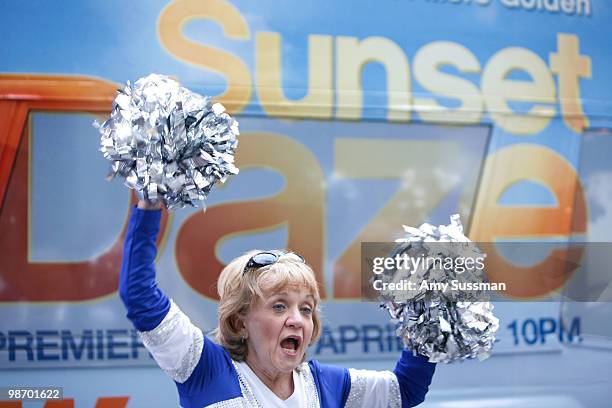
414,374
146,304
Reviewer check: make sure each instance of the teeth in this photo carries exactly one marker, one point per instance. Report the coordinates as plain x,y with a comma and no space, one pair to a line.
292,343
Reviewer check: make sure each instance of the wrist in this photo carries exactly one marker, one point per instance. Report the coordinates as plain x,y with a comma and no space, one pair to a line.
147,205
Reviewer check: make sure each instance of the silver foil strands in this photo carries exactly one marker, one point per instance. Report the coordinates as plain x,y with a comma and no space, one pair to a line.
168,143
444,325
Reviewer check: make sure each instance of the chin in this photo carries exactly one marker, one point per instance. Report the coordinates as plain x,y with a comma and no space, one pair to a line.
290,363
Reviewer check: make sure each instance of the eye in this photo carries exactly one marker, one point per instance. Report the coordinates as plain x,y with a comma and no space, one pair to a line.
307,310
278,307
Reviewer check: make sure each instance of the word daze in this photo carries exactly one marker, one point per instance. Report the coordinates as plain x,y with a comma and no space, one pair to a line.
335,65
412,264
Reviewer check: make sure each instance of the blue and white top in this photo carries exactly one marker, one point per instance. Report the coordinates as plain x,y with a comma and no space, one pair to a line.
206,375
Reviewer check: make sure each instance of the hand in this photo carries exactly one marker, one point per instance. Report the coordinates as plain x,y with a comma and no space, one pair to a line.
147,205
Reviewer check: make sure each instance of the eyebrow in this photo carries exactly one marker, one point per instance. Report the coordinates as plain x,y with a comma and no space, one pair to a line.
287,294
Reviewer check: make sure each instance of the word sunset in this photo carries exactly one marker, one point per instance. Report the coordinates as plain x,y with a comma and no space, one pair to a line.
411,264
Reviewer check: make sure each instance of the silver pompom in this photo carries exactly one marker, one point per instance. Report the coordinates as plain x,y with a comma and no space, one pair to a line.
443,324
170,144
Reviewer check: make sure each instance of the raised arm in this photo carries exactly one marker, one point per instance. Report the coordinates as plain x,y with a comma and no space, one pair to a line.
146,304
414,374
405,387
168,334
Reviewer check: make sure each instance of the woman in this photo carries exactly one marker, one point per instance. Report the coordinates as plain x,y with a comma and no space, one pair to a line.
267,319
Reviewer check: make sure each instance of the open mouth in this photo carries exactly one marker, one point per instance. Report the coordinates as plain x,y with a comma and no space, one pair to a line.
291,344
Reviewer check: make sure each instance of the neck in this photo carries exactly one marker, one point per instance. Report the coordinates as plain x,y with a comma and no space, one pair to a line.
281,384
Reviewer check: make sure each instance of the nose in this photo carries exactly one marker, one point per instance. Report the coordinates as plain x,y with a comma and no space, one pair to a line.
295,318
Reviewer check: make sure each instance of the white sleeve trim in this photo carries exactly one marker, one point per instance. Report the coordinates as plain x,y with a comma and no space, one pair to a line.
373,389
176,344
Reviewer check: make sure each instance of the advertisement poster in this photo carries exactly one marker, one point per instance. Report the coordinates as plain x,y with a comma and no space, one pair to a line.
355,118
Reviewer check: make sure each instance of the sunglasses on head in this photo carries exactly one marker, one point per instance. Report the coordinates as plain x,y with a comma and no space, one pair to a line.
268,258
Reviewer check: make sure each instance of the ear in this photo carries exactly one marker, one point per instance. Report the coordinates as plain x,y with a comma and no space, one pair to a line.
238,323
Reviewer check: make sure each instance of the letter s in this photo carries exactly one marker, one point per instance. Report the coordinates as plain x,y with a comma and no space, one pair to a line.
171,21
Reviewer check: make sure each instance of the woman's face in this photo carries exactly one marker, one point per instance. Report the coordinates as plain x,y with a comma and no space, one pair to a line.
279,329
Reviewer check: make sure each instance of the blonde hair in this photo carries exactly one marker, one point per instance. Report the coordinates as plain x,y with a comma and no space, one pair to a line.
238,292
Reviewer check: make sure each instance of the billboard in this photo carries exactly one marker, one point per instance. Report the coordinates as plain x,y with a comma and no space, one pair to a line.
355,118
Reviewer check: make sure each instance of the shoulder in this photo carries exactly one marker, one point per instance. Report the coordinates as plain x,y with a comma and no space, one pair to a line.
333,383
214,378
216,358
326,371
